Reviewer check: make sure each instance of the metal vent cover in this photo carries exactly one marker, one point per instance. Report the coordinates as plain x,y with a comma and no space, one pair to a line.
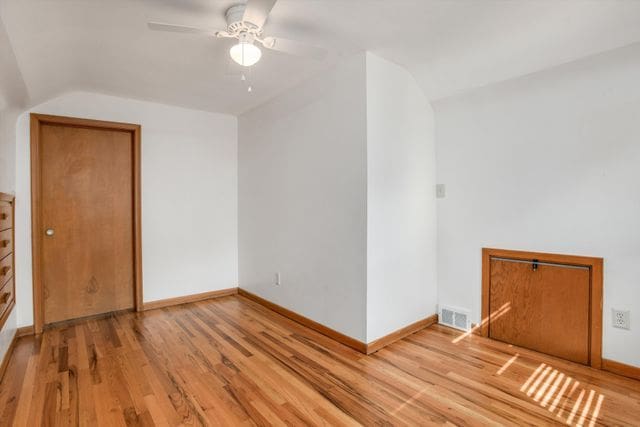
460,320
454,318
447,317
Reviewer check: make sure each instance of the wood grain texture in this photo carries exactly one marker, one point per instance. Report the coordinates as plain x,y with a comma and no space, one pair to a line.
6,242
24,331
6,269
546,309
312,324
7,307
7,357
597,290
77,156
621,369
136,131
230,361
7,299
36,227
7,258
152,305
86,198
483,327
6,215
595,266
401,333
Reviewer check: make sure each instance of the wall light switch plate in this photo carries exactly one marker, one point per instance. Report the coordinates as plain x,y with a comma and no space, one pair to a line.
440,191
621,318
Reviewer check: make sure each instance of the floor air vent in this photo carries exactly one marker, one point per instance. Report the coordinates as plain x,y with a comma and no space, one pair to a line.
454,318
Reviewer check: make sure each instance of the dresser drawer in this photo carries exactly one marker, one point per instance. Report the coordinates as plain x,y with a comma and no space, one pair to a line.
6,215
6,296
6,242
6,269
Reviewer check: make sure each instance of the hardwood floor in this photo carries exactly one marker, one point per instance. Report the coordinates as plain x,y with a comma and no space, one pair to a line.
230,361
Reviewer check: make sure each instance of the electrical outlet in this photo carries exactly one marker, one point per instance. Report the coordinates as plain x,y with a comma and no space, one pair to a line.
621,319
440,191
277,283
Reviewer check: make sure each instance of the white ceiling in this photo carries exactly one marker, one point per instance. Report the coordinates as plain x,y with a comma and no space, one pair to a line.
449,46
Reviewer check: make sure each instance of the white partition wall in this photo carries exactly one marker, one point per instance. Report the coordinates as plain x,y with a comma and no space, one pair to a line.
336,195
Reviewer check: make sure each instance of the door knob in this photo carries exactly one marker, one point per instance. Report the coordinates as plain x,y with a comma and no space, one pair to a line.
49,232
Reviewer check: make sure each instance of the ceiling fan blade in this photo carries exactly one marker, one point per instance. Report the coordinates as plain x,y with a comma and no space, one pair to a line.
293,47
176,28
256,11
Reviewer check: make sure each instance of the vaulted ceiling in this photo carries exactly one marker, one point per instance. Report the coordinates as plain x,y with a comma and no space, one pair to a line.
449,46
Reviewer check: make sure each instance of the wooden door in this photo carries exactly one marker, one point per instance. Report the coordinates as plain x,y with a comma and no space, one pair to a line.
543,307
86,218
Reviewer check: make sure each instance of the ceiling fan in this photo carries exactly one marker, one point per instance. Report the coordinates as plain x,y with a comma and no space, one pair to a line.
245,23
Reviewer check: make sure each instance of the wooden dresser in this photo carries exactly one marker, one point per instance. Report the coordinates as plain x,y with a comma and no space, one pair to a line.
7,284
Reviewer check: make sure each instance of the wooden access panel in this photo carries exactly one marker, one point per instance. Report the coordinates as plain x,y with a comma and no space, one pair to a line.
544,307
545,302
86,218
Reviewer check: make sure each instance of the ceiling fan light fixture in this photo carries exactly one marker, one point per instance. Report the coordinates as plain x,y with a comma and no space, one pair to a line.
245,53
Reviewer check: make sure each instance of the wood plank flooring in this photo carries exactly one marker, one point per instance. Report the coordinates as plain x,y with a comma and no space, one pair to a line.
230,361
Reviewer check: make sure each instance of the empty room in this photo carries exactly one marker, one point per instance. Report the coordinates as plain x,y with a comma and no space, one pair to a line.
319,212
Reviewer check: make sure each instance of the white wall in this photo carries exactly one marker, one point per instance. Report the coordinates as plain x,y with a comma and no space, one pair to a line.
8,119
13,96
401,205
13,92
302,199
549,162
336,193
189,195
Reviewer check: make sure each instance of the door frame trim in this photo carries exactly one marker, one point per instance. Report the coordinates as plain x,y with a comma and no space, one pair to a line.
37,120
595,266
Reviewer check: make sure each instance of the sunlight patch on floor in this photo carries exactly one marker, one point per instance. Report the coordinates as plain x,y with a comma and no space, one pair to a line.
412,399
562,395
507,364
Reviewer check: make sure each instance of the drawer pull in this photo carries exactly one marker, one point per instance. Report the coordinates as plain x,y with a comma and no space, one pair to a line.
5,270
4,216
4,297
5,243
